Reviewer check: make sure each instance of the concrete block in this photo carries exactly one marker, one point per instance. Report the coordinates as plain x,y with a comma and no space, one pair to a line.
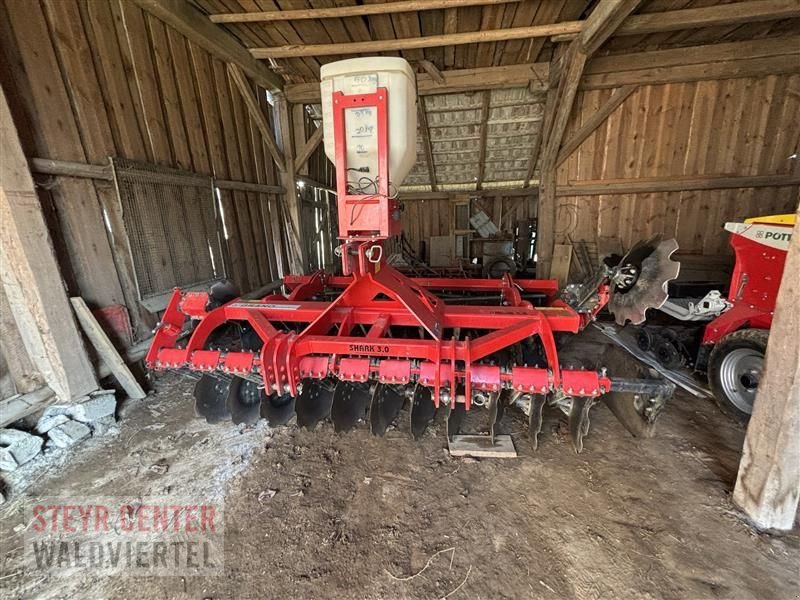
68,434
99,405
47,422
17,448
92,407
56,409
104,426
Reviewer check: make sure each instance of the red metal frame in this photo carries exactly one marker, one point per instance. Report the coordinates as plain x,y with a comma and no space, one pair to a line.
327,338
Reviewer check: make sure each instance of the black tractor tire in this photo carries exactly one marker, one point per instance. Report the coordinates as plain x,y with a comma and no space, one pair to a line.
730,371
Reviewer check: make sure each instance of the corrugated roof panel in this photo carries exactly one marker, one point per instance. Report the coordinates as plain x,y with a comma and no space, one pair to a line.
503,153
510,165
452,101
504,175
456,158
518,95
521,128
467,145
523,139
525,112
438,119
455,133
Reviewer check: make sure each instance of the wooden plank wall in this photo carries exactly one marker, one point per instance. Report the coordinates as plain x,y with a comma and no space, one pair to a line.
731,127
91,79
422,219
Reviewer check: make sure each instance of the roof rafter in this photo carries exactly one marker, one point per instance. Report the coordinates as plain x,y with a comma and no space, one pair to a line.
688,18
189,21
425,131
340,12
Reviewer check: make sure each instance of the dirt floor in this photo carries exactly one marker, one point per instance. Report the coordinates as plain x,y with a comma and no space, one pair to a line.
325,515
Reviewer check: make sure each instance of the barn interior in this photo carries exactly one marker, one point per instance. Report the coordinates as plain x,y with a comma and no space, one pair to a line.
618,179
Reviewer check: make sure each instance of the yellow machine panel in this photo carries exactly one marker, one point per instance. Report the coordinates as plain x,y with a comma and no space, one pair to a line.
773,219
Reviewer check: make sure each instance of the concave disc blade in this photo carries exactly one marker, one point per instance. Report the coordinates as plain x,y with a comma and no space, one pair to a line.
313,404
535,418
579,421
455,418
350,401
277,410
387,400
422,410
244,401
211,398
653,260
494,413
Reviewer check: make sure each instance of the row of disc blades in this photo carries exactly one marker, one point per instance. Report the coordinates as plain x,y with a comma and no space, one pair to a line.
347,404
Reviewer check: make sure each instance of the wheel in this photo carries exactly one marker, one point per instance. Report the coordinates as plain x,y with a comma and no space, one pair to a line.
499,266
667,353
734,371
645,340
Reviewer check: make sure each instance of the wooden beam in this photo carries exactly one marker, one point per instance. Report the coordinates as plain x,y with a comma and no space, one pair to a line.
433,71
341,12
609,14
720,15
677,183
14,359
64,168
32,286
600,25
575,59
736,68
546,206
482,141
425,132
246,186
105,350
603,21
768,484
554,74
308,149
533,158
693,63
460,80
20,406
259,118
493,193
693,55
450,26
184,17
593,122
431,41
294,212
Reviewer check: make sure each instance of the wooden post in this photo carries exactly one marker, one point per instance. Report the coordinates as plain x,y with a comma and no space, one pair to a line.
30,277
283,118
105,349
597,28
768,486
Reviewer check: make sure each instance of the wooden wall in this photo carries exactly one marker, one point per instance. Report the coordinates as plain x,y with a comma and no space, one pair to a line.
745,126
91,79
422,219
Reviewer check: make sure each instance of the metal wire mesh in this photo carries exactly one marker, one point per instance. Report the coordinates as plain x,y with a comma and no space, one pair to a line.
170,218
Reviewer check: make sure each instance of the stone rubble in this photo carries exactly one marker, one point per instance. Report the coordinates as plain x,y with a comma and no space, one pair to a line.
97,405
17,448
47,422
69,433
